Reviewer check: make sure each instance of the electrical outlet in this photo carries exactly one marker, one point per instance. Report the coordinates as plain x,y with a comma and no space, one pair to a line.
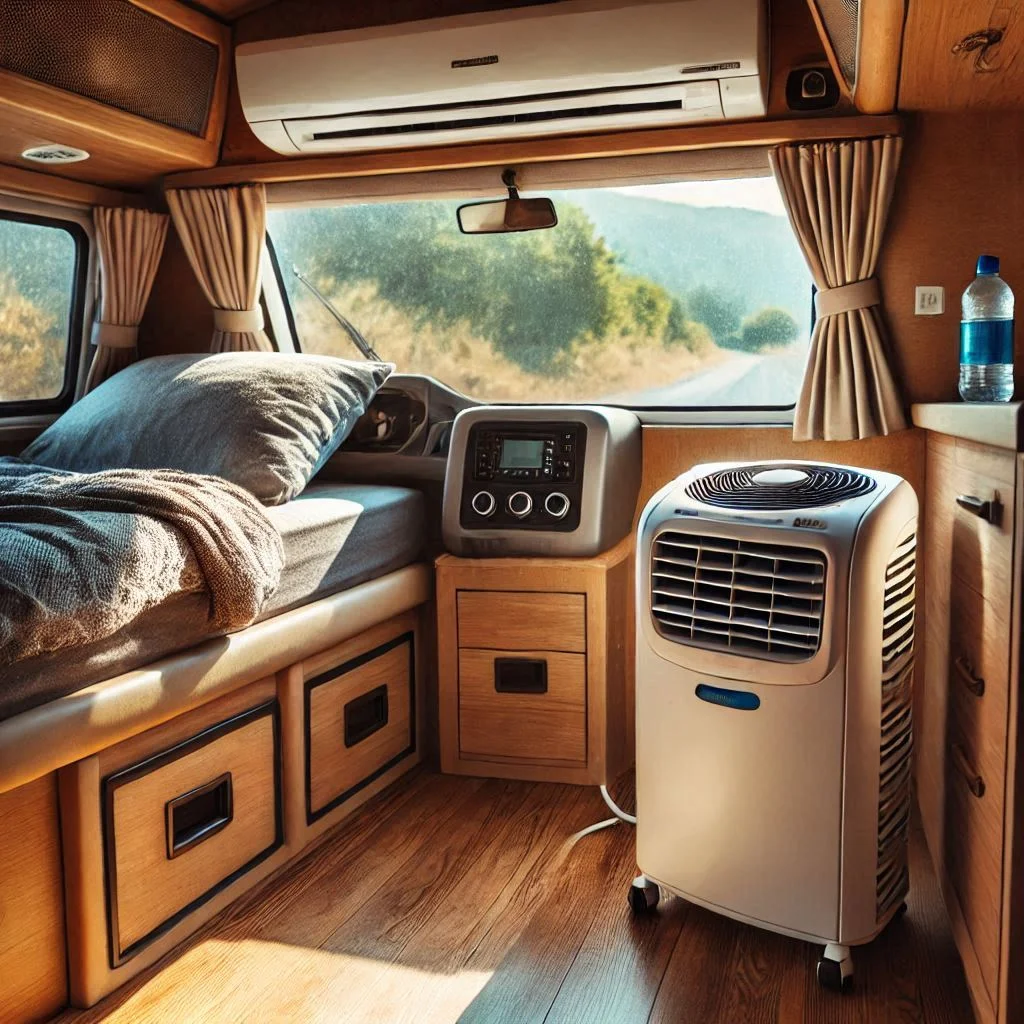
929,300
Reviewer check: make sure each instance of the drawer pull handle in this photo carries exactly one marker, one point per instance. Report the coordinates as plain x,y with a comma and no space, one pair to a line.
990,511
973,683
365,715
975,783
520,675
197,815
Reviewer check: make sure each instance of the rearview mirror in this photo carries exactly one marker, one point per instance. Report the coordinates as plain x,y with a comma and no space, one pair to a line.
506,215
513,214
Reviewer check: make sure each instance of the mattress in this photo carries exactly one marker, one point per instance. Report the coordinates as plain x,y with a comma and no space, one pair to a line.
335,536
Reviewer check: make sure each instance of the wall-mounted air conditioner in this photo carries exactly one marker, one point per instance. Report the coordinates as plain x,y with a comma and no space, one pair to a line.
575,66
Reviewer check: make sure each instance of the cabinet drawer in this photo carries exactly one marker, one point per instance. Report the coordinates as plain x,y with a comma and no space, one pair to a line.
974,853
360,723
522,621
546,722
184,823
980,552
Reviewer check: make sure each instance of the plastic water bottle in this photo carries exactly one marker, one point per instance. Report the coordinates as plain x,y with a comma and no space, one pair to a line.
986,336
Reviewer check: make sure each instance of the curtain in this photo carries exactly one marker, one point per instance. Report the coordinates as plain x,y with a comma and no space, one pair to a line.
222,231
130,244
837,195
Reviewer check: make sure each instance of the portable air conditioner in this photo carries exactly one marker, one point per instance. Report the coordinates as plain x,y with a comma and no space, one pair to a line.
775,646
573,66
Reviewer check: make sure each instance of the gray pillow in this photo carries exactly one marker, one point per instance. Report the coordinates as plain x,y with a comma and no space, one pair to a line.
266,421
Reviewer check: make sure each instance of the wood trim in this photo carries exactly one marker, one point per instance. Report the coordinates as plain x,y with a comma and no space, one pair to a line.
879,52
1011,984
584,147
38,184
187,18
830,50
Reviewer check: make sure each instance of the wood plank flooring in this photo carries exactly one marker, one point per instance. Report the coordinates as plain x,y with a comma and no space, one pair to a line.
453,899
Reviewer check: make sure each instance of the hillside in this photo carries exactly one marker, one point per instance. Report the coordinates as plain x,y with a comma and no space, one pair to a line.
746,252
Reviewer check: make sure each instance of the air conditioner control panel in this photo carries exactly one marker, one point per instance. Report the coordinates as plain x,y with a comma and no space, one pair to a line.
523,477
541,480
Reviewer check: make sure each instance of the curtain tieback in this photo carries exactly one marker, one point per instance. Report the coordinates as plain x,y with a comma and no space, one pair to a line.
238,321
859,295
115,335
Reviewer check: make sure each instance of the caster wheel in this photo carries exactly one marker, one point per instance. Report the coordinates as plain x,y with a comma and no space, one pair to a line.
643,896
835,969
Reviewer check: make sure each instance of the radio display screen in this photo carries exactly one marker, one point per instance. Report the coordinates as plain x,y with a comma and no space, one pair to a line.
521,454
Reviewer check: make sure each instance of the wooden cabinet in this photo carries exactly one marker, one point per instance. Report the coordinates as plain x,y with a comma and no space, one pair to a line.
535,663
967,709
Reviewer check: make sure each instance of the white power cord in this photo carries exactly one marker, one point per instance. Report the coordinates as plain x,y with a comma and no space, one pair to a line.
620,815
616,809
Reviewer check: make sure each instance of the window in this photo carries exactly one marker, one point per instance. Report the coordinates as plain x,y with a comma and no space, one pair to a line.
41,290
690,293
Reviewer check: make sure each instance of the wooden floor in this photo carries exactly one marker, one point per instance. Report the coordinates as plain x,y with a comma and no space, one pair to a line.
461,899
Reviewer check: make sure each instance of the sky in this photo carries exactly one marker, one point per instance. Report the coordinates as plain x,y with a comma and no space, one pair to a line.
750,193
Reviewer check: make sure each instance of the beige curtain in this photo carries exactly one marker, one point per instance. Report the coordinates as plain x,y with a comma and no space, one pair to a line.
130,244
837,195
222,231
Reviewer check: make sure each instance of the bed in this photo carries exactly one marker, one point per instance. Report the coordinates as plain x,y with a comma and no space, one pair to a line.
335,536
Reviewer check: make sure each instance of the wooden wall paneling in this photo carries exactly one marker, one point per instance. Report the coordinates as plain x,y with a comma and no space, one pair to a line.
963,56
178,317
39,185
33,976
959,193
576,147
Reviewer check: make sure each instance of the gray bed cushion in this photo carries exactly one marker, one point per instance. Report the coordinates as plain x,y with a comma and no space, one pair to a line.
335,536
266,421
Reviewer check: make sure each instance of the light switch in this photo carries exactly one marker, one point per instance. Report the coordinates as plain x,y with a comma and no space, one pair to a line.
929,300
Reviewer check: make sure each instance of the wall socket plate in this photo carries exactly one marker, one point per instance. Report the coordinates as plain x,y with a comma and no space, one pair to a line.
929,300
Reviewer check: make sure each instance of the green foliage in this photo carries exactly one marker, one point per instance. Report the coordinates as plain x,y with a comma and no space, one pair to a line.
719,311
770,328
36,285
540,297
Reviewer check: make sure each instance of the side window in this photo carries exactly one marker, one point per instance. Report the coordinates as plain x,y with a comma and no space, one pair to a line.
42,280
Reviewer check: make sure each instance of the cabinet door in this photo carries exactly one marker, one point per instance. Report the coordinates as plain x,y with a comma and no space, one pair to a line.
962,698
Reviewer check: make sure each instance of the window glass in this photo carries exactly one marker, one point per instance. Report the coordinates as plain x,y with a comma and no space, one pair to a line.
38,271
681,294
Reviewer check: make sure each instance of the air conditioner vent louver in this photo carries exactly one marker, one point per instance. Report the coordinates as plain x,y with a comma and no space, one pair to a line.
897,736
778,487
753,599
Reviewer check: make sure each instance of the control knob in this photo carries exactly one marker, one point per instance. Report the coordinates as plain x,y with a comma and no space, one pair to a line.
556,504
483,503
520,504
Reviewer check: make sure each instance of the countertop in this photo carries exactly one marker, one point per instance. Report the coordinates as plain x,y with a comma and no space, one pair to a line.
996,423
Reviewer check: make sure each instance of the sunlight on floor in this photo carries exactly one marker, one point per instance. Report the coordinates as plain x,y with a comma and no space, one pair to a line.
272,981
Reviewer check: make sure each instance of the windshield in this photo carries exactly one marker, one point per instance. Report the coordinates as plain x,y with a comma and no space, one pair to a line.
680,294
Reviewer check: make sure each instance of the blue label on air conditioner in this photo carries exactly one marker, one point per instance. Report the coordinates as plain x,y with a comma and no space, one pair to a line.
986,341
741,700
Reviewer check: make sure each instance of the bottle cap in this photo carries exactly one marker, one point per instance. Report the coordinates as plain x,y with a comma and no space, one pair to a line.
988,264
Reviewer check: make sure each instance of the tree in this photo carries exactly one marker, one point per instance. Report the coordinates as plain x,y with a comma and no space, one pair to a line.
720,312
31,348
770,328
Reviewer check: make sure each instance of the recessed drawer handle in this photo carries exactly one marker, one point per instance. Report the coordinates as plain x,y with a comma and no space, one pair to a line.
990,511
973,683
197,815
520,675
365,715
975,783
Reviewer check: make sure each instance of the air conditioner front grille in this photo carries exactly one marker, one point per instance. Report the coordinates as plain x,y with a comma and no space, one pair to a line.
776,487
897,726
754,599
